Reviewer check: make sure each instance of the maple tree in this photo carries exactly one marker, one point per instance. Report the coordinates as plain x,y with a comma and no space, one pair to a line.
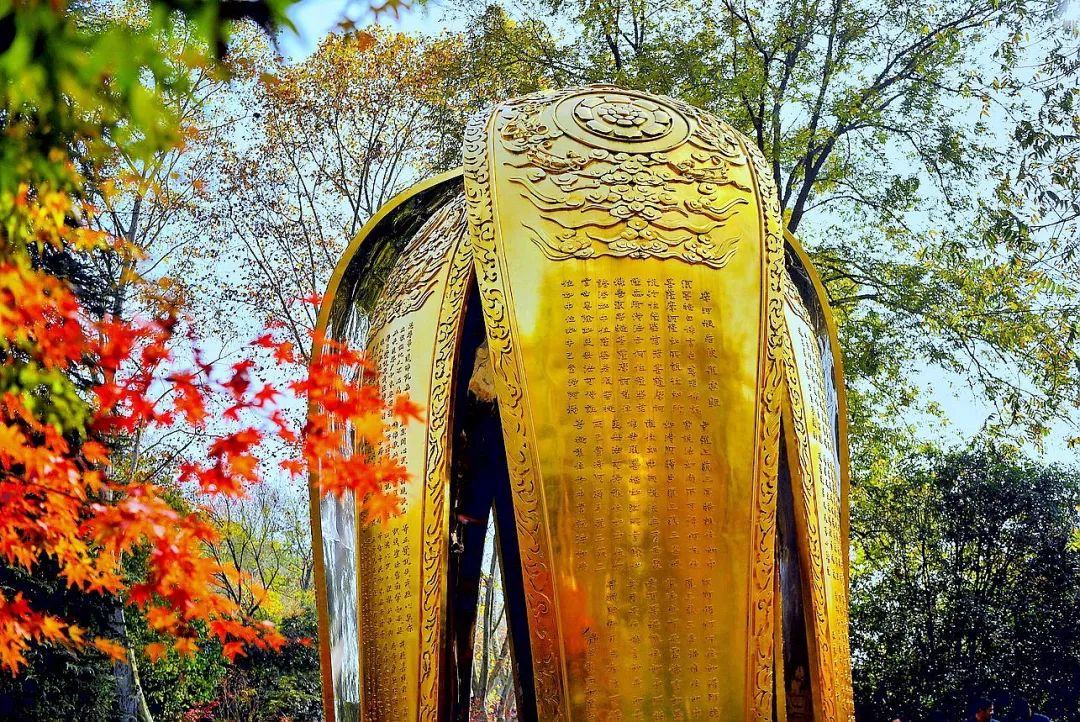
76,383
148,200
58,500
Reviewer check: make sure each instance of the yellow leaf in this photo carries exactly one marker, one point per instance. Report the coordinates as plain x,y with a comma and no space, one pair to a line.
369,428
186,646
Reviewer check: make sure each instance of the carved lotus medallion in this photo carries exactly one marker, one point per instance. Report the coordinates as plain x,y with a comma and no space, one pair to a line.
624,117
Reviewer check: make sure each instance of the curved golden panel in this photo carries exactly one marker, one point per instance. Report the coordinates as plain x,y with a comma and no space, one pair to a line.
818,464
827,329
398,293
629,261
401,562
670,393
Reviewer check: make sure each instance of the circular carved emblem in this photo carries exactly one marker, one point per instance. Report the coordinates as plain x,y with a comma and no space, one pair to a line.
622,120
623,117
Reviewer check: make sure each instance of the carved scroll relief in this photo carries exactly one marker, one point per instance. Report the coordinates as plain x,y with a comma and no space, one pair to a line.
617,173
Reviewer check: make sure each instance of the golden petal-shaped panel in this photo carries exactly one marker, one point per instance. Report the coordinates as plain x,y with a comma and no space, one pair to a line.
666,376
631,287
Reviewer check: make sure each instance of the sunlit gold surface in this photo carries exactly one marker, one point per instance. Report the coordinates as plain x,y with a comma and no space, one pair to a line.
643,336
401,567
625,292
818,491
418,597
832,333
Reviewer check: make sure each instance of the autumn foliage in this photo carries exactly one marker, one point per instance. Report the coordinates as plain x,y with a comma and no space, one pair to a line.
58,498
79,388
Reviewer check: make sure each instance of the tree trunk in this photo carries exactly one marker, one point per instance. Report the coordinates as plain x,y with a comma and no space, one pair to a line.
489,602
130,701
508,689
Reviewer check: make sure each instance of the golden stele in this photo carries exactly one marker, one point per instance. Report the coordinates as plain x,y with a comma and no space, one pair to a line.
631,370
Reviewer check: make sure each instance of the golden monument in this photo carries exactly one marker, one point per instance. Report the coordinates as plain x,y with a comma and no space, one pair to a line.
670,480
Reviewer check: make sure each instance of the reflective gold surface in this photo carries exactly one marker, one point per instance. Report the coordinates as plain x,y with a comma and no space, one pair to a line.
644,334
827,328
400,561
818,491
625,280
408,323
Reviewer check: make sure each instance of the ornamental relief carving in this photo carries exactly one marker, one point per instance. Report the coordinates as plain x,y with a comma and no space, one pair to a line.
415,275
643,177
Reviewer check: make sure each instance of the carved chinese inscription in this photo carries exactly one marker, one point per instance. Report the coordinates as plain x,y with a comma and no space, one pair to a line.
387,556
398,561
641,357
622,271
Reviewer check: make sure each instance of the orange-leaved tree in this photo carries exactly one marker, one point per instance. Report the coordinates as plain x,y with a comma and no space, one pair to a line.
75,383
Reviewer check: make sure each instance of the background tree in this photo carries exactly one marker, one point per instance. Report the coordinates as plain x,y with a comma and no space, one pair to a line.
283,687
925,152
493,685
146,201
965,586
58,682
325,143
265,548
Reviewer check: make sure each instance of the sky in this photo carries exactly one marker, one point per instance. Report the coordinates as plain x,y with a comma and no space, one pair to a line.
314,18
965,413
